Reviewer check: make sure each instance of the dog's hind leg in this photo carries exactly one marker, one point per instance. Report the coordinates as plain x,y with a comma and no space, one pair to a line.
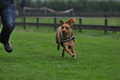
58,46
63,53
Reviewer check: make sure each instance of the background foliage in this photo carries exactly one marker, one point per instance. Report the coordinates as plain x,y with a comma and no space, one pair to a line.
78,5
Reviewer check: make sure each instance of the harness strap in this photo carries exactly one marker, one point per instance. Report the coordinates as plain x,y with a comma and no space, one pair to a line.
65,40
60,41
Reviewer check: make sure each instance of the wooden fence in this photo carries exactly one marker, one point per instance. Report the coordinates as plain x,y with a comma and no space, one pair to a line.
79,26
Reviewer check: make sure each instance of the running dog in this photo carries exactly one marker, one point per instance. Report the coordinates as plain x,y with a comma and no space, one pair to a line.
65,38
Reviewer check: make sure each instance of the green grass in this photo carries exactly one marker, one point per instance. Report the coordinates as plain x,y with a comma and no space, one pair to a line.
35,56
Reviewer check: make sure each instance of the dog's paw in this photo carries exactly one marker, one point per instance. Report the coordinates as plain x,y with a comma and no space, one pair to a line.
73,55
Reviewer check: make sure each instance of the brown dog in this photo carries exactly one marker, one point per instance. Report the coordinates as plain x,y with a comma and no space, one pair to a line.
65,38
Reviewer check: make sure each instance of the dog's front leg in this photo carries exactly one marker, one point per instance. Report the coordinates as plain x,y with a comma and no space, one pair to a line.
73,51
66,49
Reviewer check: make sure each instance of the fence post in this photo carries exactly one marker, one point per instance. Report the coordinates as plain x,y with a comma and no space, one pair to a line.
37,22
24,22
80,23
106,22
55,21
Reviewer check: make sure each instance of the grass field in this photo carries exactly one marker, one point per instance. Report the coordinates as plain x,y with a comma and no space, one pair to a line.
35,56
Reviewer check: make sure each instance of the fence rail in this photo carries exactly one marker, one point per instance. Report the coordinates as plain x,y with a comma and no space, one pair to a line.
79,26
76,26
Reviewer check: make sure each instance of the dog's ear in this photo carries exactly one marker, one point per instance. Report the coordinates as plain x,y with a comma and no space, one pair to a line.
70,21
61,22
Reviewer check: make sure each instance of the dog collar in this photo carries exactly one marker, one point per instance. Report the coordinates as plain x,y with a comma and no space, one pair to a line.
65,40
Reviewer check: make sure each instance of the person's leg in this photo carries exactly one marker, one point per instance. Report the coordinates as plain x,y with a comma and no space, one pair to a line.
8,21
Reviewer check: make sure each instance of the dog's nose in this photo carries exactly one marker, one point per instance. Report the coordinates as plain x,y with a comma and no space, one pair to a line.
63,32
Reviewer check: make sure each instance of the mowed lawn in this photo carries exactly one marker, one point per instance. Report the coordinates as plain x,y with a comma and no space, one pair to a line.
35,56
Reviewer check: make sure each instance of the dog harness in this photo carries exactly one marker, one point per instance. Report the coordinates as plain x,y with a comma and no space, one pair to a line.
67,39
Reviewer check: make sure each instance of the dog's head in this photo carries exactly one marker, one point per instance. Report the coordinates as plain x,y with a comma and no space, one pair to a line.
66,26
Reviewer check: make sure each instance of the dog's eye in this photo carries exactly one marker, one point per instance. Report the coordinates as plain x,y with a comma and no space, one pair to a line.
62,27
66,27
